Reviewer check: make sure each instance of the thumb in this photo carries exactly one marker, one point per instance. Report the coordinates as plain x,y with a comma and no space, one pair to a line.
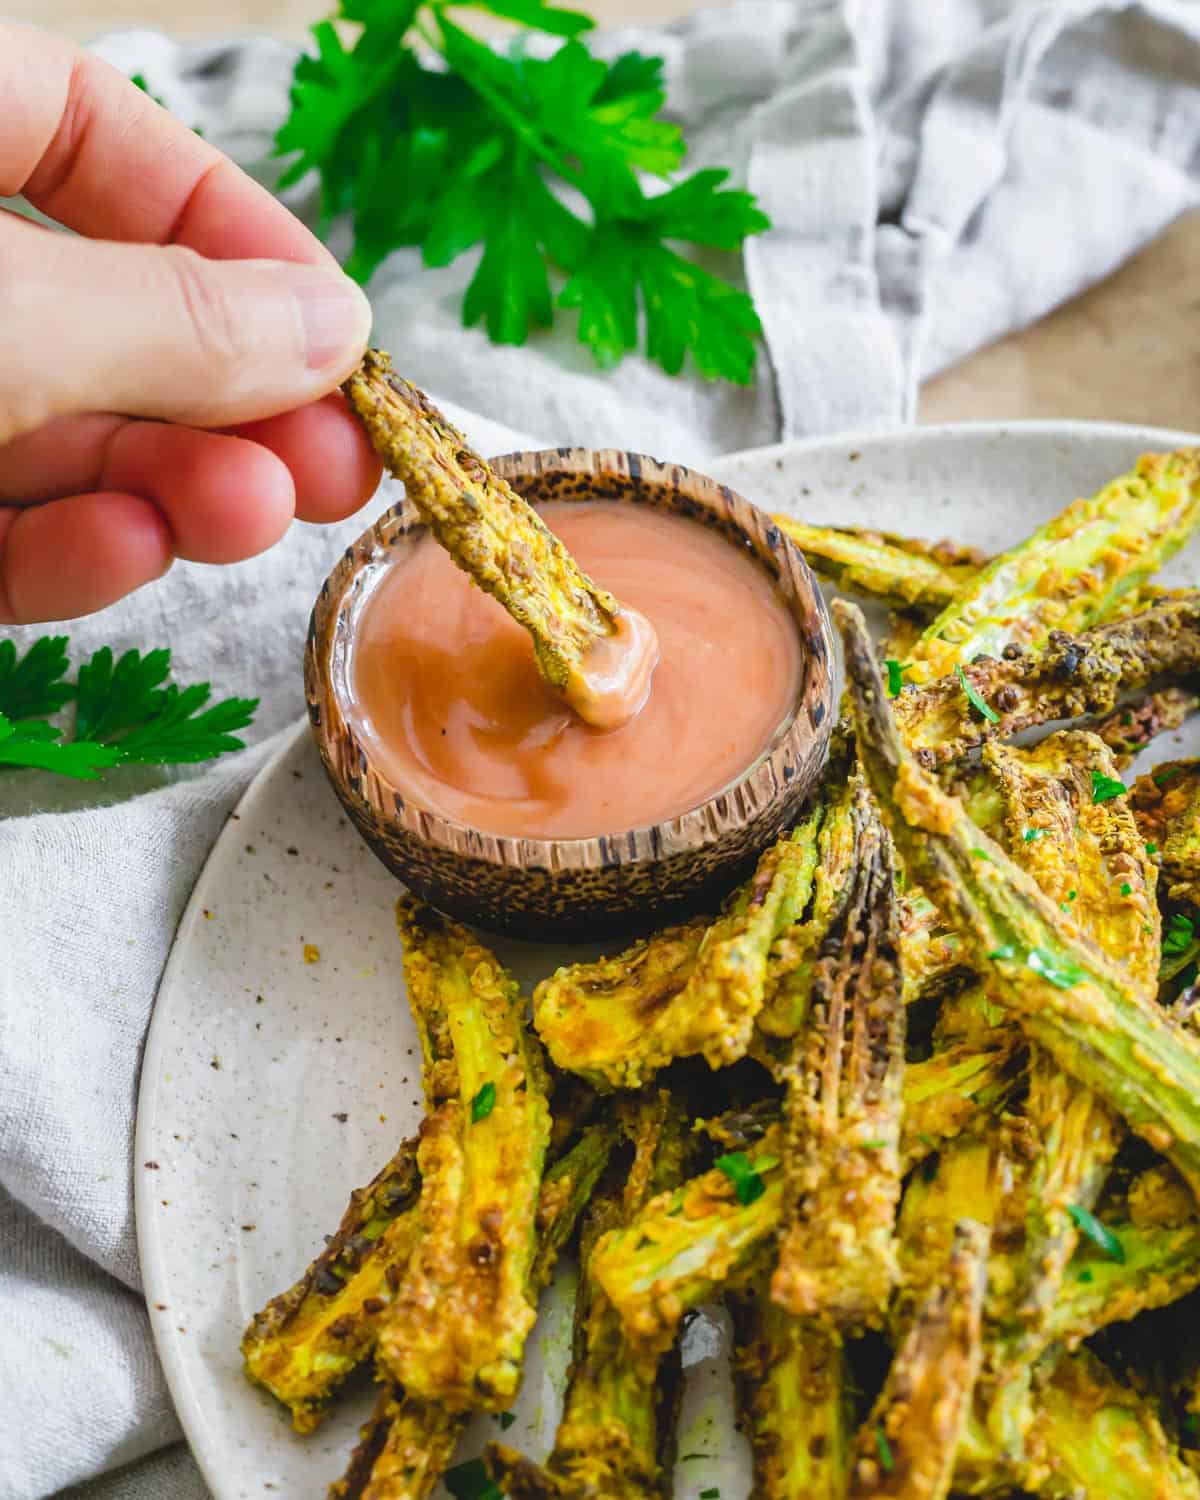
159,331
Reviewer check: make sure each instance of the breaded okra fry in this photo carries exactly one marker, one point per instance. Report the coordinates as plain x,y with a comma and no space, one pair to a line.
1071,676
1071,572
488,529
1068,996
1129,728
403,1450
456,1329
617,1421
716,1230
837,1257
907,1447
685,1244
407,1443
903,572
1095,1438
618,1022
1166,804
305,1343
794,1392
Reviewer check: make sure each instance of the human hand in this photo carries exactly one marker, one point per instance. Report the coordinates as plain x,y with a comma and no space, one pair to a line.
193,299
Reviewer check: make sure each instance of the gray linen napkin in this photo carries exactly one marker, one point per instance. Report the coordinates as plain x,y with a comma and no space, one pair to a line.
937,173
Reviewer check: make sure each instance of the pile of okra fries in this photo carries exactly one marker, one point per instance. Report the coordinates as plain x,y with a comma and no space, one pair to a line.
921,1104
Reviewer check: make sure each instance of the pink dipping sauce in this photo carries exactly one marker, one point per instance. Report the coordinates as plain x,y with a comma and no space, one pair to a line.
451,708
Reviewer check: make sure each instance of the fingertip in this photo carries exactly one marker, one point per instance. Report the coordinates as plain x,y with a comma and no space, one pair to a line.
75,556
224,498
333,466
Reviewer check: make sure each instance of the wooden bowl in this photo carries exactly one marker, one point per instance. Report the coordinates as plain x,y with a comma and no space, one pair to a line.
587,887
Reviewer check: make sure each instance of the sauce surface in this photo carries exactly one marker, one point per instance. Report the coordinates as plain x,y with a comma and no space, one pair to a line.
450,705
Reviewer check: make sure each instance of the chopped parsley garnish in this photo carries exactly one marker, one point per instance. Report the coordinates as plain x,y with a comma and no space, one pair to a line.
980,853
1032,833
1162,777
470,1481
506,1419
975,700
1100,1234
1062,973
483,1103
895,675
747,1183
1126,888
872,1145
1180,935
1105,788
713,1494
1086,1275
1151,847
885,1449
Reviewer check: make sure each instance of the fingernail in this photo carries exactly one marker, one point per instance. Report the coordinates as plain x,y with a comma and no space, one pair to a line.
337,321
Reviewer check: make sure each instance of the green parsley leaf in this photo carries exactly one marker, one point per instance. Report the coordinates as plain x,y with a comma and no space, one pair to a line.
1105,788
80,759
506,1419
981,853
31,686
483,1103
470,1481
895,675
1162,777
1062,973
748,1186
1179,936
1005,951
125,713
688,1458
1098,1233
1086,1275
479,148
885,1449
974,699
1151,847
712,1494
1031,834
1126,888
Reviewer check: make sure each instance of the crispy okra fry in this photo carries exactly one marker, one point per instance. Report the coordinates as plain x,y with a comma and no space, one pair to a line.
617,1421
1068,996
794,1393
1148,1267
403,1450
687,1243
1095,1438
906,1449
305,1343
903,572
1070,572
488,529
617,1023
1166,804
456,1329
407,1443
946,1095
837,1257
1071,676
1129,728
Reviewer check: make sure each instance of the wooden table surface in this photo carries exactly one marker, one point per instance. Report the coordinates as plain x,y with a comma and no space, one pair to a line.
1124,351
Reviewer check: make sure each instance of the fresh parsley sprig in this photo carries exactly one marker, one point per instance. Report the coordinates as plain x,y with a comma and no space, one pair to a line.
458,147
126,712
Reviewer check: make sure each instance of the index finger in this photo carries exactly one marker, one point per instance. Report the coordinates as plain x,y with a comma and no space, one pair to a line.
92,151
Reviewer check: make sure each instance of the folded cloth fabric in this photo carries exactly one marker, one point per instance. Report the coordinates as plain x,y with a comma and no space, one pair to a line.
936,175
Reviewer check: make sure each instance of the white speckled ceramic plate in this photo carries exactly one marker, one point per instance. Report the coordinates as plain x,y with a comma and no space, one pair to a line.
272,1085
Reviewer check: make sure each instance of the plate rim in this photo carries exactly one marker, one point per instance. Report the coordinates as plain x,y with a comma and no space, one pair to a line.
188,1409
